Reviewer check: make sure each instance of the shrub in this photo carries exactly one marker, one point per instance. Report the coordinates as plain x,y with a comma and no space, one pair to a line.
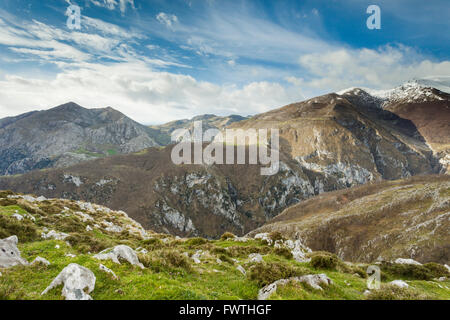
437,270
7,202
283,252
196,241
6,193
165,261
409,271
276,235
392,292
86,243
324,260
24,230
10,290
227,235
219,250
244,251
265,273
153,243
225,258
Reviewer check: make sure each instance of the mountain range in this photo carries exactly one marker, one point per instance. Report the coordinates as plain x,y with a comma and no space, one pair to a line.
332,142
69,134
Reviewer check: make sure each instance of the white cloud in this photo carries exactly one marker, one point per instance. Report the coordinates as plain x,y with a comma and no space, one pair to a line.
112,4
136,90
383,68
169,20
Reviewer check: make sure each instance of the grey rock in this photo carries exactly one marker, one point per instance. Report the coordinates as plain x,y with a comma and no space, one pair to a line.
10,254
120,252
75,279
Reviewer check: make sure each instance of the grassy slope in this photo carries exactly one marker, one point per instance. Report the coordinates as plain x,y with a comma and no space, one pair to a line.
168,274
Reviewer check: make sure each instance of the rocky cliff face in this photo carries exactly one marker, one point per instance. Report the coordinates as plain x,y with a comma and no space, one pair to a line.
327,143
66,135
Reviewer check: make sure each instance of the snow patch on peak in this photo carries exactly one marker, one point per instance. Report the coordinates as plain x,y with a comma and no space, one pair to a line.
419,90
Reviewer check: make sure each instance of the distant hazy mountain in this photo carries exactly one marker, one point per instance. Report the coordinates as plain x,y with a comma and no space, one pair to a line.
327,143
66,135
162,133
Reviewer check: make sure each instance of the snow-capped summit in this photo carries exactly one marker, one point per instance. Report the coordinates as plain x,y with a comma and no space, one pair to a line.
414,91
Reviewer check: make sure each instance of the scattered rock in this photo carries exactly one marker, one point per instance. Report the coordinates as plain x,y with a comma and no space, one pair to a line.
448,268
111,227
407,261
70,255
54,235
255,257
120,252
10,254
107,270
399,283
264,237
57,246
315,280
196,256
75,279
88,228
242,270
41,260
142,250
84,216
442,279
219,261
17,216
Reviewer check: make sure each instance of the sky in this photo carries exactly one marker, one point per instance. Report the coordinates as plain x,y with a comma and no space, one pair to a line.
158,61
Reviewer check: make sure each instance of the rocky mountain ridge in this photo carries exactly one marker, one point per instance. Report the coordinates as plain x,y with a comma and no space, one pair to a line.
66,135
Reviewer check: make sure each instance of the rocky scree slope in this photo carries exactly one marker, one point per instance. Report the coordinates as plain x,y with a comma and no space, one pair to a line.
84,251
66,135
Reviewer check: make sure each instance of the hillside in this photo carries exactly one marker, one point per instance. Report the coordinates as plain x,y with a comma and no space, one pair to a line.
58,251
407,218
327,143
162,133
66,135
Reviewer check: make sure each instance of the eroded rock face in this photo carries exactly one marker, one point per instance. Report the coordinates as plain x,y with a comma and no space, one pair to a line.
76,280
10,254
120,252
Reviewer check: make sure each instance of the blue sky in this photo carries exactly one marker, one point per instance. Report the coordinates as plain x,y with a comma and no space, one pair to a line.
158,61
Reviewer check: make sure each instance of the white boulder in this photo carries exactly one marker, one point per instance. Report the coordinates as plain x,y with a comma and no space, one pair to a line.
120,252
314,280
52,234
399,283
255,257
41,260
17,216
407,261
75,279
10,254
